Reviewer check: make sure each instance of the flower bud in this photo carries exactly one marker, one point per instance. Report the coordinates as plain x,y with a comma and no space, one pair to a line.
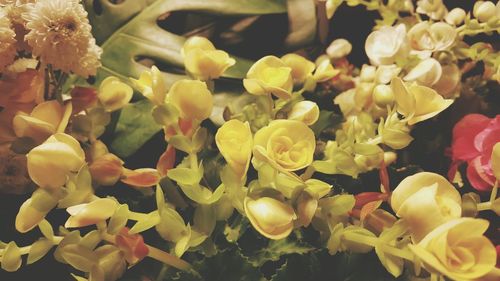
34,210
383,96
50,163
270,217
152,85
234,140
484,10
324,69
107,169
305,111
90,213
110,263
339,48
367,73
384,45
132,245
427,72
46,119
455,16
192,98
114,94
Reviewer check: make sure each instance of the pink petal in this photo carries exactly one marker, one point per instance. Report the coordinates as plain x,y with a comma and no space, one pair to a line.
477,177
470,125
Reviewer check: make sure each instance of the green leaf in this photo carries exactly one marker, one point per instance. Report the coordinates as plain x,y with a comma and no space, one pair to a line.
135,127
11,258
39,249
278,248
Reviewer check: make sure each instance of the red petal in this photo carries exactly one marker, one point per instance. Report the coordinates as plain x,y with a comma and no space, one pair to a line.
369,208
463,148
144,177
470,125
476,176
166,161
367,197
384,177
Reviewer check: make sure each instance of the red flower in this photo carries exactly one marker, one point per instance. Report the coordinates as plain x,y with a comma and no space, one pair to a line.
473,139
132,245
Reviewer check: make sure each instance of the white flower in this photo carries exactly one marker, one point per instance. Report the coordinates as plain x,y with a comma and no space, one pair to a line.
426,38
384,45
339,48
7,41
60,35
484,10
455,16
385,73
435,9
427,72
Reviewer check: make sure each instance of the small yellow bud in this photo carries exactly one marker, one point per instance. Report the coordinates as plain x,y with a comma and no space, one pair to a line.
107,169
114,94
383,96
192,98
50,163
270,217
305,111
455,16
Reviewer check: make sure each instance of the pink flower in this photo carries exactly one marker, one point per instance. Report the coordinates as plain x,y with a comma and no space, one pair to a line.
473,139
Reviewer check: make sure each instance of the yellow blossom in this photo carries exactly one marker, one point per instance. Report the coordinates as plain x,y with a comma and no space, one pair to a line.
203,61
234,140
50,163
114,94
270,217
287,145
152,85
192,98
269,75
426,201
324,69
417,103
47,118
458,249
301,67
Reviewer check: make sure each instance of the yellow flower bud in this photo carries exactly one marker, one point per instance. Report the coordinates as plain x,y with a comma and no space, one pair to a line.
417,103
91,213
484,10
114,94
50,163
234,140
270,217
203,61
286,144
152,85
192,98
426,201
47,118
301,67
455,16
269,75
107,169
305,111
383,96
458,249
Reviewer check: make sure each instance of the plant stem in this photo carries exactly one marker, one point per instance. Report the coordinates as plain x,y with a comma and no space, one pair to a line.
375,242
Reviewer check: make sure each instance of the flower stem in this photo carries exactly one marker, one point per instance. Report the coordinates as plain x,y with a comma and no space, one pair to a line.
375,242
484,206
167,258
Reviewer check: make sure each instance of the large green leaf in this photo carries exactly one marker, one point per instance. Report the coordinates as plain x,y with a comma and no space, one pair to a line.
129,30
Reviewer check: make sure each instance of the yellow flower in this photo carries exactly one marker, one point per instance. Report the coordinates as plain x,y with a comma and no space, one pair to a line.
426,201
50,163
324,69
417,103
47,118
234,140
192,98
286,144
458,249
301,67
90,213
270,217
114,94
152,85
203,61
305,111
269,75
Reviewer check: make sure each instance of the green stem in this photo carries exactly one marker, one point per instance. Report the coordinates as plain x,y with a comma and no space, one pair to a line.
484,206
375,242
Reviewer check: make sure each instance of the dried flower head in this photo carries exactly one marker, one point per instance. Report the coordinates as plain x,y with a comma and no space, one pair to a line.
60,35
7,41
